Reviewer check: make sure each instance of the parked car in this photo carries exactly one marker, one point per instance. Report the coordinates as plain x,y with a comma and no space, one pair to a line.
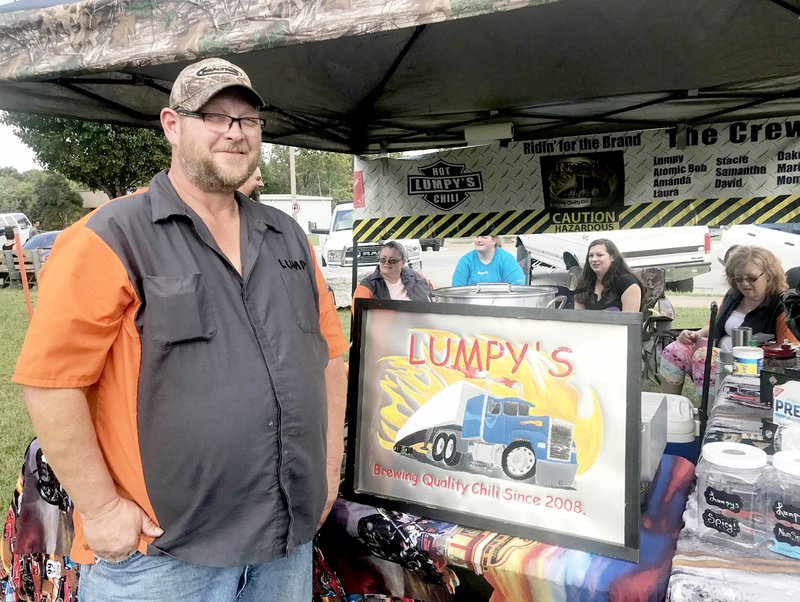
683,252
43,241
431,243
782,239
336,243
18,221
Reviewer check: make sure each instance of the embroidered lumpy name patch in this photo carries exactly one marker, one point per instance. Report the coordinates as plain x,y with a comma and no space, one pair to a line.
292,264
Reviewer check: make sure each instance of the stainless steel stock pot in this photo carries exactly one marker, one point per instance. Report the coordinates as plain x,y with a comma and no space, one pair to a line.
501,294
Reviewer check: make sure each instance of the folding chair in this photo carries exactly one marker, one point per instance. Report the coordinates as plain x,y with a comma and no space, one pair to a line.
658,316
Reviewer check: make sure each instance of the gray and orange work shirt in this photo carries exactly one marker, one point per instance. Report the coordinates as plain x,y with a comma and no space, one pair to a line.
206,387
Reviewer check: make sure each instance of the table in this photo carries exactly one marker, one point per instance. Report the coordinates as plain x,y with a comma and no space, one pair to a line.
403,555
705,571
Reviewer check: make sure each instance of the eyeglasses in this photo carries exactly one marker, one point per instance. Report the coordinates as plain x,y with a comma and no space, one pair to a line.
219,123
389,260
748,279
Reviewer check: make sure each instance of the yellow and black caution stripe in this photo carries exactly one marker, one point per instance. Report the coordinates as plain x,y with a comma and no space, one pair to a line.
687,212
702,212
456,225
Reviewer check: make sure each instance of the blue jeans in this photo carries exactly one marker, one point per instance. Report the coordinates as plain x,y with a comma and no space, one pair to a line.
167,579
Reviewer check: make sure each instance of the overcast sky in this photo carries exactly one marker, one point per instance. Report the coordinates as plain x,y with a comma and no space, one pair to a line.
13,153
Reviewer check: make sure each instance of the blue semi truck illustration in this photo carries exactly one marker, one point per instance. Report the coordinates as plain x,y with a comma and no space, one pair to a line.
466,424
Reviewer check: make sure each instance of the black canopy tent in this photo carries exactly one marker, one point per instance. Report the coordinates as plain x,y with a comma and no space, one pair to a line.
368,77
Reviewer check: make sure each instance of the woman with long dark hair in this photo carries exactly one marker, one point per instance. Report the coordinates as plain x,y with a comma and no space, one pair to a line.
606,281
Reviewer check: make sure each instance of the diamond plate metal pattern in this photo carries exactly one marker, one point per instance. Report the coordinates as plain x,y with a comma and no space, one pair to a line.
512,201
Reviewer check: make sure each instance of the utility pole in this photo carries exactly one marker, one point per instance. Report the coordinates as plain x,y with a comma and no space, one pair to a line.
293,181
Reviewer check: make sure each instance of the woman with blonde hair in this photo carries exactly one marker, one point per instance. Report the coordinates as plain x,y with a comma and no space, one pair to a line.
756,279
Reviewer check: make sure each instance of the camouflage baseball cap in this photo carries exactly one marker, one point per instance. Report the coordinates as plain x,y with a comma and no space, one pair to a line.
200,81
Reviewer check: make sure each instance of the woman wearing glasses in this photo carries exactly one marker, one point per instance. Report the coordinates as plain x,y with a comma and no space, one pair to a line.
756,279
392,279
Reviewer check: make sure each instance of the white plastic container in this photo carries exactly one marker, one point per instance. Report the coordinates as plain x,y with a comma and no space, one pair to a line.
783,504
730,495
654,434
682,423
683,428
748,361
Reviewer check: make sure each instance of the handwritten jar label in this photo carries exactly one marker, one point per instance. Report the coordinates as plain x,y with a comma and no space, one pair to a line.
723,524
722,499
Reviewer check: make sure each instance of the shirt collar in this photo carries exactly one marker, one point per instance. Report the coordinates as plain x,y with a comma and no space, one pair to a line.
165,204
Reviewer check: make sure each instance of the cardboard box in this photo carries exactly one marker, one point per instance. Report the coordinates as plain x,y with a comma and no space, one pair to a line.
771,377
786,411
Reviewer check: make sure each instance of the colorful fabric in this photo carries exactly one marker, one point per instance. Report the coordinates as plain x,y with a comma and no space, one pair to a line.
679,360
326,585
517,569
37,536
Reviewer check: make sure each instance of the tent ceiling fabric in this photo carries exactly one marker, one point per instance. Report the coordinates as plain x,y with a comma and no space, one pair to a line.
365,76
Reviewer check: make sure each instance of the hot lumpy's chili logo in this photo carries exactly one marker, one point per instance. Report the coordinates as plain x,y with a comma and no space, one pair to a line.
445,185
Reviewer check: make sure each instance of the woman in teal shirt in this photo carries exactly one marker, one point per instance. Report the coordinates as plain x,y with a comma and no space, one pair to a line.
487,263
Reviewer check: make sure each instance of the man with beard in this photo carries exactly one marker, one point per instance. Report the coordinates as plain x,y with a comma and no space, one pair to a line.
189,337
252,187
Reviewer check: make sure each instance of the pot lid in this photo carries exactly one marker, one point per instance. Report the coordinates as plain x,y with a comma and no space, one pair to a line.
490,290
780,351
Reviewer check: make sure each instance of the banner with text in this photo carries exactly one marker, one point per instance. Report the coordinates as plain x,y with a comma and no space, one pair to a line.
740,172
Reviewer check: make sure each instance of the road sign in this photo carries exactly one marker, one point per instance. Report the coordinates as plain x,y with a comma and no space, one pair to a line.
295,207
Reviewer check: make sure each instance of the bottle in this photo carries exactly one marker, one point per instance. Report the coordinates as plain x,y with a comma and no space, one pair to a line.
730,498
783,504
724,369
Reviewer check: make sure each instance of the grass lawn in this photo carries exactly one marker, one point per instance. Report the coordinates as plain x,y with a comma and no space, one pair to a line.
15,427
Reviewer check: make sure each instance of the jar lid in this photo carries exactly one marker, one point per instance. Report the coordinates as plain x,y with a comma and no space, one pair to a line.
783,351
734,455
787,461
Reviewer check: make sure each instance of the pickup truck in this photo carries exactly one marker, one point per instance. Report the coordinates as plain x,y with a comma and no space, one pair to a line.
683,252
782,239
464,424
336,243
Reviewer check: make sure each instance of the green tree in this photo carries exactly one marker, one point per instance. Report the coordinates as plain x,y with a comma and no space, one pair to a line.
99,156
318,173
275,172
10,178
54,202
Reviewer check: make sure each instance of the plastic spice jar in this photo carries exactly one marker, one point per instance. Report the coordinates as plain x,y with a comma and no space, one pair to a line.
748,361
783,504
730,496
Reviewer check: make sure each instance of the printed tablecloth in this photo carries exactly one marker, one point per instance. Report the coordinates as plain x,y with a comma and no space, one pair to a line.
419,558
